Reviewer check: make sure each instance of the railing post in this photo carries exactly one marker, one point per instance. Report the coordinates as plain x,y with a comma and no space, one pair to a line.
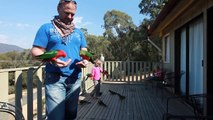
113,70
136,71
4,87
18,89
128,69
124,67
39,94
132,70
121,72
30,94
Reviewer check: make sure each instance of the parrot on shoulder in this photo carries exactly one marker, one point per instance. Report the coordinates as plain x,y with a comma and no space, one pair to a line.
51,55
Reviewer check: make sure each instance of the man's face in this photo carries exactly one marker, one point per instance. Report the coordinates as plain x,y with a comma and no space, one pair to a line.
67,11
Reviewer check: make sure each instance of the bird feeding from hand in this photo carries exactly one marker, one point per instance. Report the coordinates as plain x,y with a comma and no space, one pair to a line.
87,55
51,55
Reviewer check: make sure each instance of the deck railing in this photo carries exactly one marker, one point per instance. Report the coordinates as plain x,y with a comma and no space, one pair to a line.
119,71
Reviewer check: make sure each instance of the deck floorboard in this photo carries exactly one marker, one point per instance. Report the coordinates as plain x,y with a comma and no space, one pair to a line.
140,103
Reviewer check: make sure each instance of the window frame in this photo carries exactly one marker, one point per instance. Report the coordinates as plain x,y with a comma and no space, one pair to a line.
166,48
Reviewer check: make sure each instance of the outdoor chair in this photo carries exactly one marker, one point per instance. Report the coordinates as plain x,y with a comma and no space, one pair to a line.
10,112
168,82
153,80
191,107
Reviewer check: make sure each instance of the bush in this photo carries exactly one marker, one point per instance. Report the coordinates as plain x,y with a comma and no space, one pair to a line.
11,89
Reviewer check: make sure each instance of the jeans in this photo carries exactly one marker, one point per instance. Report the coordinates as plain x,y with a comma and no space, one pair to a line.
97,86
61,97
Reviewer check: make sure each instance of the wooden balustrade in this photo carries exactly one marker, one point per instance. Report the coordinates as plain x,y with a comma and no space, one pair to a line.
119,71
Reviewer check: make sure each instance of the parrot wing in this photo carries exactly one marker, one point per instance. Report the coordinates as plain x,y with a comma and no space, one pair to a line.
86,55
47,55
89,75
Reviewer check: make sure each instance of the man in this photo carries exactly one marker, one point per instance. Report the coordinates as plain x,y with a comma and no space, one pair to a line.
62,82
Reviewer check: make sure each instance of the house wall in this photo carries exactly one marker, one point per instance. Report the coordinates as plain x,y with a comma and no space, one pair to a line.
169,66
182,15
184,12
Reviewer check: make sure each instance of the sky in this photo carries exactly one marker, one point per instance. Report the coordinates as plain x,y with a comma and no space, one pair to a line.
20,19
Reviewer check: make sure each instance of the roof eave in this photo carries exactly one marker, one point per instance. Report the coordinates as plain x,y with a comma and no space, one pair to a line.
164,12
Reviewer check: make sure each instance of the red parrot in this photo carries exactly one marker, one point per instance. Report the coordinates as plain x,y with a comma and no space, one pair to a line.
87,55
105,73
51,55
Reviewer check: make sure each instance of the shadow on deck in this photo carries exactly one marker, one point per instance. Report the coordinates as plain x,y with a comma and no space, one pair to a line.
140,103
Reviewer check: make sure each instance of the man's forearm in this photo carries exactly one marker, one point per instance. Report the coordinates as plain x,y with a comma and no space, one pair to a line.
35,51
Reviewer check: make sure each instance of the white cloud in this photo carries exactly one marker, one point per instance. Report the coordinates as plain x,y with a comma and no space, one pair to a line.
78,21
24,42
3,38
22,26
16,25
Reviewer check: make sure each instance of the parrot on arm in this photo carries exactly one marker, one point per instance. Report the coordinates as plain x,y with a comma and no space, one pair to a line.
88,75
87,55
50,56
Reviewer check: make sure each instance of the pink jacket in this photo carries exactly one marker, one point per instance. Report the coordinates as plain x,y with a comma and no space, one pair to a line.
96,73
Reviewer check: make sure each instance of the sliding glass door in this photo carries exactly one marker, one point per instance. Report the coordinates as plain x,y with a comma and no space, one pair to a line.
196,57
191,57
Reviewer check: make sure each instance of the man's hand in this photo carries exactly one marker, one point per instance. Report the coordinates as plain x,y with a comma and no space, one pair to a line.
61,63
82,63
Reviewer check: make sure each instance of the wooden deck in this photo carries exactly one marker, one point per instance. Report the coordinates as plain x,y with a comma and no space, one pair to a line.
141,103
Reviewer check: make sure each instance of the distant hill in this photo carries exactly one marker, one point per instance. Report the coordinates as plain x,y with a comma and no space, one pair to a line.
8,48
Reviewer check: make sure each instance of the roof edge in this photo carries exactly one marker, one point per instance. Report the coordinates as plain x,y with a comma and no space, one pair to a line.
164,12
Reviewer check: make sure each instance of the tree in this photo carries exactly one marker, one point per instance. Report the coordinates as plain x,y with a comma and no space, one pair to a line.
84,30
116,24
15,59
98,45
127,42
151,7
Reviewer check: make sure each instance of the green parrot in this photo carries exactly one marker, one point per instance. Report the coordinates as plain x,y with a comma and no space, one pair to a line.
51,55
87,55
88,75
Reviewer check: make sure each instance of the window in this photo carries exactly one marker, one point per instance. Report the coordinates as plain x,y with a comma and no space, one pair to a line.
166,50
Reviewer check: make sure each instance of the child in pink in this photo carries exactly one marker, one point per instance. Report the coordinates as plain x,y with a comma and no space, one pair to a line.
96,77
158,75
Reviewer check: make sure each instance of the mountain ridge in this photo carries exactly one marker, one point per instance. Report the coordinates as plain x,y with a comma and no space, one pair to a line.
4,48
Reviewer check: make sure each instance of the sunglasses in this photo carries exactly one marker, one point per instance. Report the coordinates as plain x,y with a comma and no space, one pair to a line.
73,1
